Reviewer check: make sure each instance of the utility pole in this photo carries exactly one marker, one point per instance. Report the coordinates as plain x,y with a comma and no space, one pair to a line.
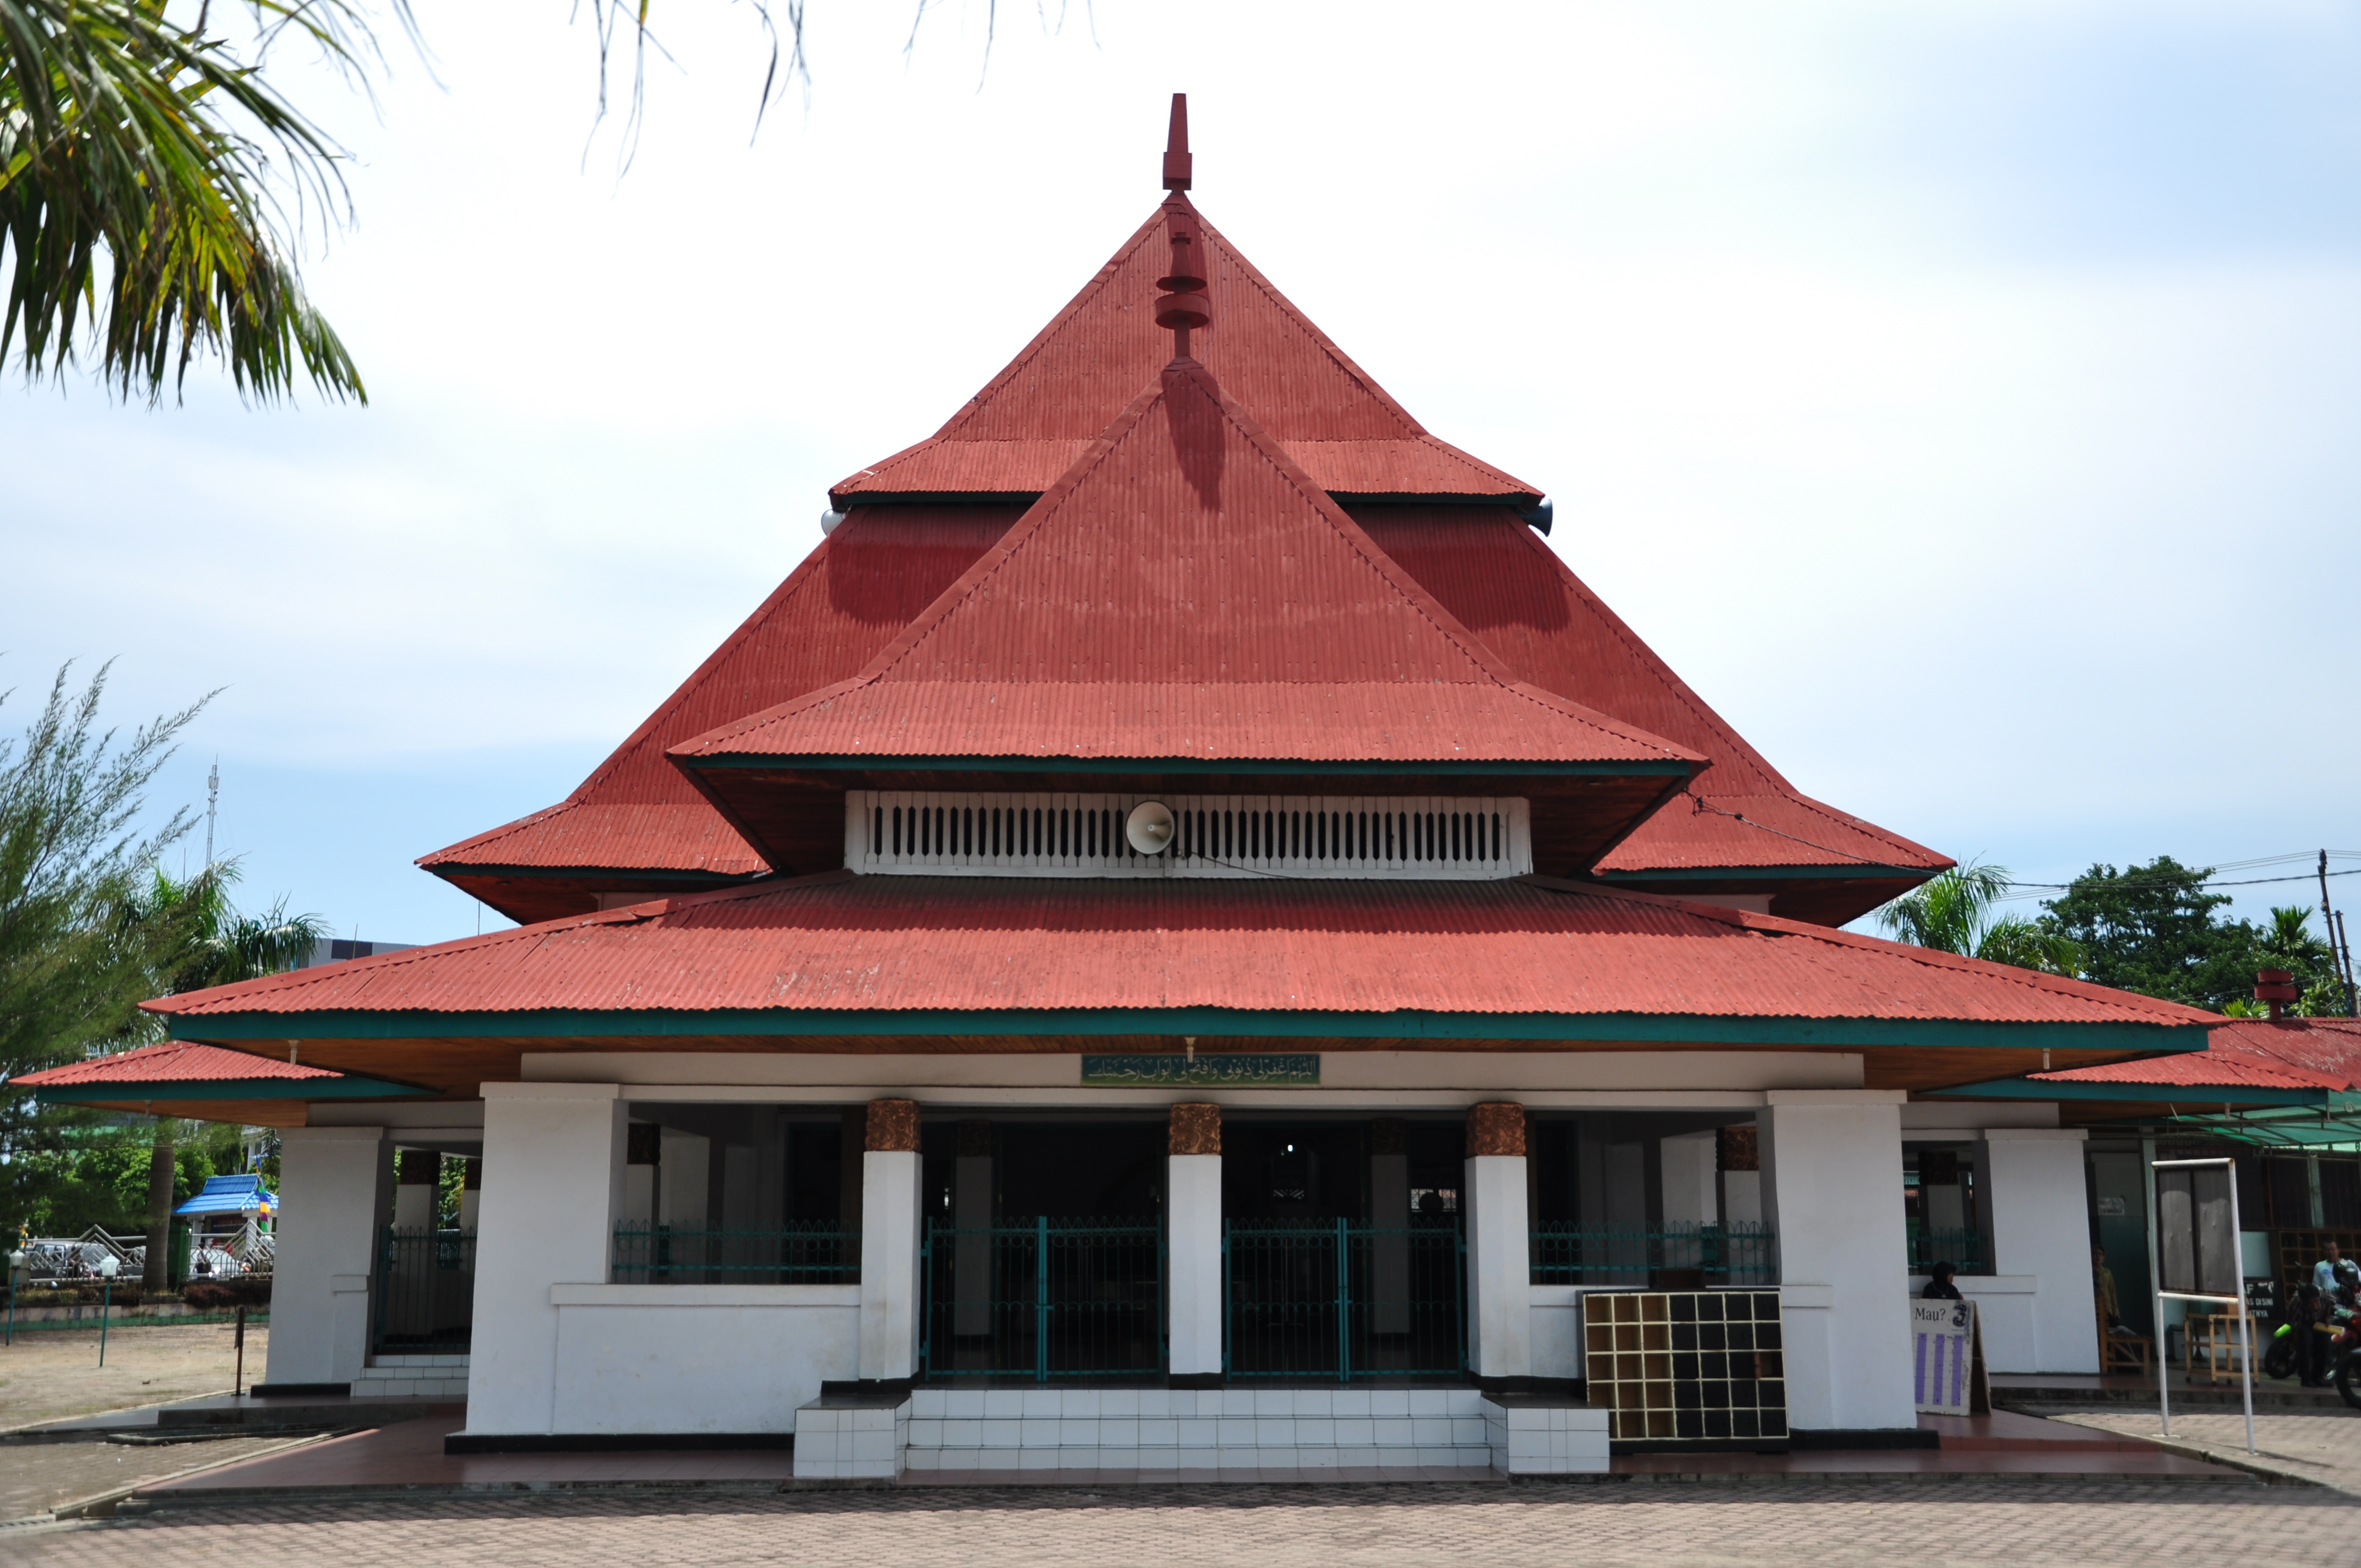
2340,954
213,799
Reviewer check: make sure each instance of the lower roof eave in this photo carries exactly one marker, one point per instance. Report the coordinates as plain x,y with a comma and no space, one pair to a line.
2189,1094
1621,1028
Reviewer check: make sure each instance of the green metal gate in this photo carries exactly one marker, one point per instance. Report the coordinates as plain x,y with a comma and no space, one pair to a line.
1051,1298
1344,1299
426,1292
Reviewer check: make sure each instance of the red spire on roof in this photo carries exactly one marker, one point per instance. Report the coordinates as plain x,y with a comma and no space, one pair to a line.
1176,146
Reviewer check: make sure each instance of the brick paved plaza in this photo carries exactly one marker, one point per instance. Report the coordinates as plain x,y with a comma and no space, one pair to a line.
1974,1522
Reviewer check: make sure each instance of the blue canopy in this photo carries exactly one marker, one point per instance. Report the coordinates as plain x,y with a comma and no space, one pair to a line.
232,1195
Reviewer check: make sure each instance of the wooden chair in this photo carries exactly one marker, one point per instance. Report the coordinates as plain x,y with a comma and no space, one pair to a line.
2124,1353
2217,1335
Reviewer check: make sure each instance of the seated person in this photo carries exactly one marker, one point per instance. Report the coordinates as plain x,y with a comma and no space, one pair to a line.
1939,1287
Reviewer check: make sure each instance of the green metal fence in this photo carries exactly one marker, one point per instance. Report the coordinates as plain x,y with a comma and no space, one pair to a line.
1344,1299
1735,1254
1048,1299
793,1255
426,1292
1965,1250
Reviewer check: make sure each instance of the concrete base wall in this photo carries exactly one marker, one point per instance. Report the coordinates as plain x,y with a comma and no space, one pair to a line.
699,1358
336,1184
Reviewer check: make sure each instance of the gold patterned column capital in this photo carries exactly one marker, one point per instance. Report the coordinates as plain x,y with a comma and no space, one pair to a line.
1195,1129
1496,1128
893,1127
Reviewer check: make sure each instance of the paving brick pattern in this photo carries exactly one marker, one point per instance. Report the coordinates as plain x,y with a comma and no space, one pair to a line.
2322,1447
2006,1525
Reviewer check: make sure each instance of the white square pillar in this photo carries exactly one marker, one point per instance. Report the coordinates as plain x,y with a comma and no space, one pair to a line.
1500,1243
553,1193
1832,1192
2041,1226
337,1188
1192,1230
1689,1168
890,1208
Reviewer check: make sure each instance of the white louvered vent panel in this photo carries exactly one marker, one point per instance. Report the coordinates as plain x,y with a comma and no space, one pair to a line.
1389,837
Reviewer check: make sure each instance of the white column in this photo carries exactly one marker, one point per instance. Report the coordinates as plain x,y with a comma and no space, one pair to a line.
890,1212
1832,1192
2041,1227
1500,1241
1192,1232
553,1189
1689,1167
337,1190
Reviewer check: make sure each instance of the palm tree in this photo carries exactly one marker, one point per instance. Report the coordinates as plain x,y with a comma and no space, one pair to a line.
135,195
1953,914
201,939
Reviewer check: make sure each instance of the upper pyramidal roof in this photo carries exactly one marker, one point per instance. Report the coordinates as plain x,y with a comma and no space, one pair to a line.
1033,420
1186,591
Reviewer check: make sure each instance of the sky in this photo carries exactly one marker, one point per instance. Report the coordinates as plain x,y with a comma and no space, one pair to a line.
1959,397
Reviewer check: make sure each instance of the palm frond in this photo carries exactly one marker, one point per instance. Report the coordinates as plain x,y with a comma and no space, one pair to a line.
142,167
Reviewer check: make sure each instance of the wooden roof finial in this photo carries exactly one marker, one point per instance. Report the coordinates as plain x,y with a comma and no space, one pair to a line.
1176,146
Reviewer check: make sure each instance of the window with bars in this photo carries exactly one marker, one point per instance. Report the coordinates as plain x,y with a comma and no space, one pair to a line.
915,833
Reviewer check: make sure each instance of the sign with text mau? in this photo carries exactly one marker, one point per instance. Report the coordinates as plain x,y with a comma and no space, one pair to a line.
1947,1359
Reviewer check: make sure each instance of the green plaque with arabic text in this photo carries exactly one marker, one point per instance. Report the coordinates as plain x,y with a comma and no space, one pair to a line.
1208,1070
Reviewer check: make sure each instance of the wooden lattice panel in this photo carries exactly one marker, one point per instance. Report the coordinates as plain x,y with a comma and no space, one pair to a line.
1687,1368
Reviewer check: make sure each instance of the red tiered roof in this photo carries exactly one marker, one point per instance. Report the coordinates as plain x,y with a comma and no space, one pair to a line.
1490,571
638,812
174,1062
1480,954
2304,1053
1035,418
1186,591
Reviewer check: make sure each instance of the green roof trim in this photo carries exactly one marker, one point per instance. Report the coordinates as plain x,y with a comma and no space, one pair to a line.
2144,1093
1638,1029
344,1087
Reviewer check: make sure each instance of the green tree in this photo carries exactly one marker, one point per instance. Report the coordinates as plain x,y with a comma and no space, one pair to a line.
1953,914
199,938
147,169
2153,929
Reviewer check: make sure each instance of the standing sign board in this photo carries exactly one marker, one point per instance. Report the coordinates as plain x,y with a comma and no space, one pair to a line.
1947,1358
2196,1208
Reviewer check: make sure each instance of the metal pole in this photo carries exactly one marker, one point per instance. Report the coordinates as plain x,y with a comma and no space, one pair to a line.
2246,1325
2155,1288
1344,1303
237,1378
105,1305
1041,1299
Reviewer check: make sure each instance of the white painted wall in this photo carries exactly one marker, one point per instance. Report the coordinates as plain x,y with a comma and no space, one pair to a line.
682,1179
890,1203
1741,1197
1832,1187
1193,1223
699,1358
2041,1227
1557,1331
1499,1267
413,1205
553,1188
1689,1162
337,1188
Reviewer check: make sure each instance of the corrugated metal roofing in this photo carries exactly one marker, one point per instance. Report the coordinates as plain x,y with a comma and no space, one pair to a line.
1502,583
2298,1053
841,942
1186,590
177,1062
1024,429
846,601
